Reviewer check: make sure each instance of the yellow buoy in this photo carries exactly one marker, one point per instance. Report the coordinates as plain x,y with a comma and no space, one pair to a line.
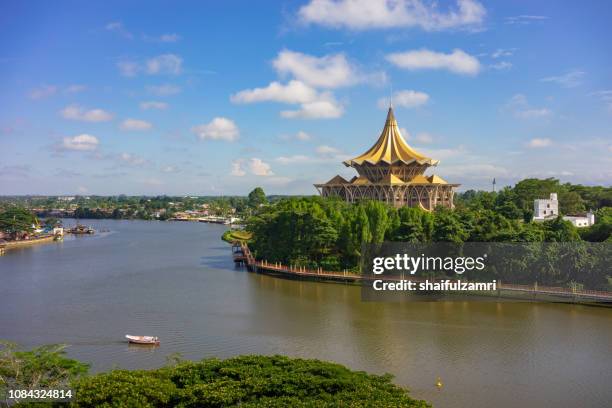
439,382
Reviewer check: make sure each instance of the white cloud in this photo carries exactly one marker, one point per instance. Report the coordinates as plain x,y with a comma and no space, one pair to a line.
533,113
406,99
325,149
254,165
128,68
82,142
442,154
324,154
524,19
423,137
237,169
75,88
163,90
152,181
501,52
314,105
169,38
303,136
329,71
169,169
539,142
482,171
43,92
458,61
298,158
324,108
501,66
131,159
148,105
218,129
520,107
75,112
260,168
606,97
293,92
568,80
165,64
376,14
135,125
117,27
517,100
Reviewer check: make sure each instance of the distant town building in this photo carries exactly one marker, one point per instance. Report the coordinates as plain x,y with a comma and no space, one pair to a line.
392,171
548,208
65,198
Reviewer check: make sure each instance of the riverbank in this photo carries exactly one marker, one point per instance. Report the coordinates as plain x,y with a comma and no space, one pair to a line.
243,255
28,242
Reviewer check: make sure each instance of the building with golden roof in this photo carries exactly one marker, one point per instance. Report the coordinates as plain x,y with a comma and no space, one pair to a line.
393,172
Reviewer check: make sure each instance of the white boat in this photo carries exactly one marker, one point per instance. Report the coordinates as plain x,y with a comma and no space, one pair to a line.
142,339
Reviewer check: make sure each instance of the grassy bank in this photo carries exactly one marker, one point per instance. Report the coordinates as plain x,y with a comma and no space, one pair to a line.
236,235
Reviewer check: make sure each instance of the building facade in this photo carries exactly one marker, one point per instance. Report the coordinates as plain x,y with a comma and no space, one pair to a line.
393,172
548,209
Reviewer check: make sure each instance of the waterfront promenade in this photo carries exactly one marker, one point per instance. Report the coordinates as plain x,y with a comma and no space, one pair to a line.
242,254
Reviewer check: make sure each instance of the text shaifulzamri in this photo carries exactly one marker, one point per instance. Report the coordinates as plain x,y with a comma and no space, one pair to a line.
438,285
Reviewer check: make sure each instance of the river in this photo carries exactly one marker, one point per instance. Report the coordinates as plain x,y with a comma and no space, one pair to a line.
177,281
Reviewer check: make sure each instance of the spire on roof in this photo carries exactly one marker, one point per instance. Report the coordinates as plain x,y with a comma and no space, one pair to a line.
391,148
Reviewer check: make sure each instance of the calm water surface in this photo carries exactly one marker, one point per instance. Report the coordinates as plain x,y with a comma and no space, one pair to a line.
177,281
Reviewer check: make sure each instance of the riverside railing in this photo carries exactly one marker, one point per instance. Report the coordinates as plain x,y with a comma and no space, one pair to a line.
535,289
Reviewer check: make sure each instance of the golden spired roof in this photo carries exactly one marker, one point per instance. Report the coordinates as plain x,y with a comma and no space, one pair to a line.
391,148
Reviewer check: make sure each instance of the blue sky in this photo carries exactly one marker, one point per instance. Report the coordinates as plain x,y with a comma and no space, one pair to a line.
204,98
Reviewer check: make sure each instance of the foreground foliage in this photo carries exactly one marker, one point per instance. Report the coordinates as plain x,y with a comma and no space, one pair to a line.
15,220
248,381
45,366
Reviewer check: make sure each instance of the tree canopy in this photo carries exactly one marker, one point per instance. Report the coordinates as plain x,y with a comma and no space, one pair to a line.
17,219
329,233
257,197
246,381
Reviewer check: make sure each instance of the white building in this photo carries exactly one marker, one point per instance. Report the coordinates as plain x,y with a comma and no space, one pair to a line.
579,221
546,209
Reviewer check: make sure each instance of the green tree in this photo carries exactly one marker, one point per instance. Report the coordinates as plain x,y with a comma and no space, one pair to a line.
246,381
447,227
45,366
17,220
257,197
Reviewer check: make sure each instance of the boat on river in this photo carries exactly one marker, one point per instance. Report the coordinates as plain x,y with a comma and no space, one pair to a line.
80,229
142,339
